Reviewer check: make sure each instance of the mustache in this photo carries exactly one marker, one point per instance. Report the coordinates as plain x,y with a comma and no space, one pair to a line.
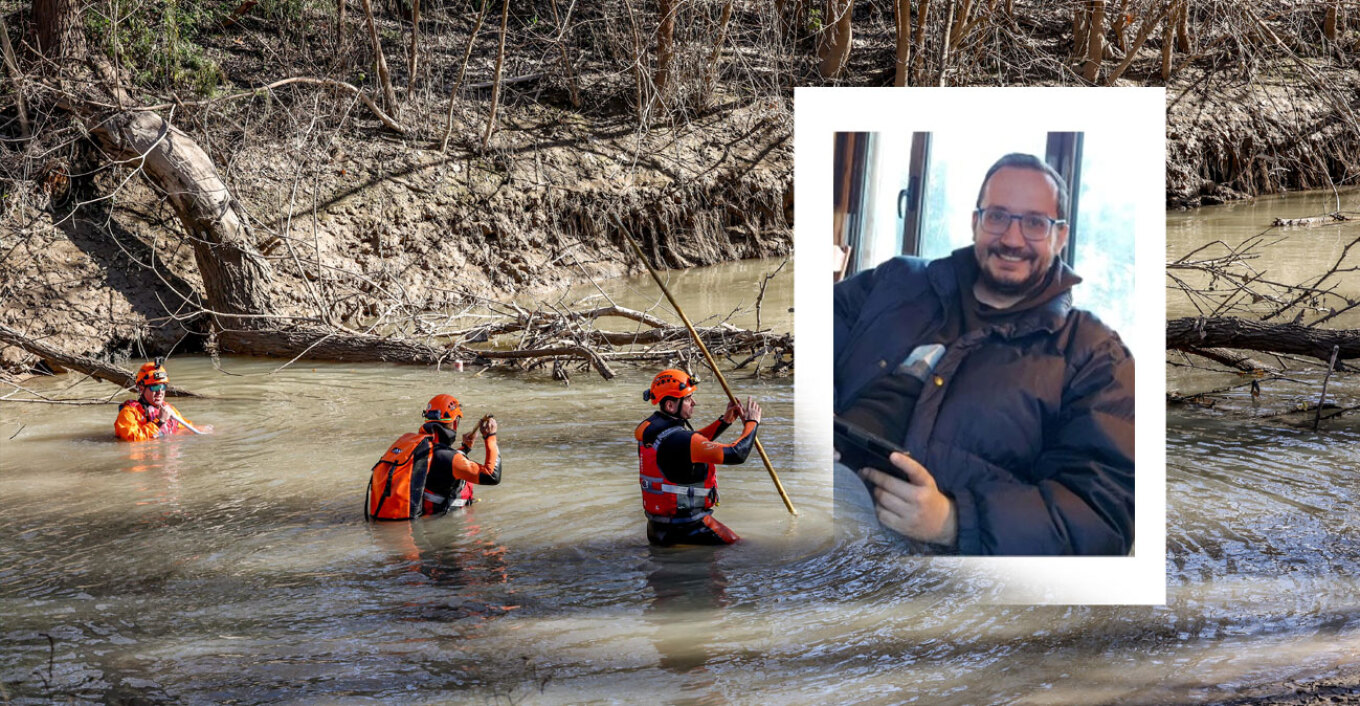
1001,249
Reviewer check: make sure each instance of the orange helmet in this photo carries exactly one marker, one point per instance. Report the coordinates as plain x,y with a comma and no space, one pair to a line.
670,383
443,408
152,374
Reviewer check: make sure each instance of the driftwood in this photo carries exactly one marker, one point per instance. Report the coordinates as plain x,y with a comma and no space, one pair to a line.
59,362
1232,359
1228,332
1314,221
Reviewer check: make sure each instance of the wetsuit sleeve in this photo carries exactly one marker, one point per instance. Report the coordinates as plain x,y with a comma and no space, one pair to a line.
713,430
488,473
131,425
1083,500
703,450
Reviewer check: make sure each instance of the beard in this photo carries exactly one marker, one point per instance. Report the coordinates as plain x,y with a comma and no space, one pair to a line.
1011,288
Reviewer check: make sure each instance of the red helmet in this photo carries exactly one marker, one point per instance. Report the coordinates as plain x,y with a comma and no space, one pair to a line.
443,408
670,383
152,374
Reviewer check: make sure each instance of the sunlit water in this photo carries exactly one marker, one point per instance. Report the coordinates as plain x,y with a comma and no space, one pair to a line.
237,566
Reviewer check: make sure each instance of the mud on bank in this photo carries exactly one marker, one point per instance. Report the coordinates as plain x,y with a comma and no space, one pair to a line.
353,226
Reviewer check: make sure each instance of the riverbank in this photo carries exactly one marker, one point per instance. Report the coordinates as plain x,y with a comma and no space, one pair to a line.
525,188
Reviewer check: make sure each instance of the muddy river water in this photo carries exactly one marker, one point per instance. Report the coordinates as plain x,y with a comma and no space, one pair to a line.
237,568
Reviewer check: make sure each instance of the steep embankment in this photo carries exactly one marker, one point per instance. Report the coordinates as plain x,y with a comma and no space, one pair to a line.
1234,139
355,226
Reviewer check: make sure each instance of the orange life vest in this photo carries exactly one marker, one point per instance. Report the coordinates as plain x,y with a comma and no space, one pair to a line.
396,486
172,425
662,500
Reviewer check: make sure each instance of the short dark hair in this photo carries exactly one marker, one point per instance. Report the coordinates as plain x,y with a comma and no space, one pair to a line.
1020,160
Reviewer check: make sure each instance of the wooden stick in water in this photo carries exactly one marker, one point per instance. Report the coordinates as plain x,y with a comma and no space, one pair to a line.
711,364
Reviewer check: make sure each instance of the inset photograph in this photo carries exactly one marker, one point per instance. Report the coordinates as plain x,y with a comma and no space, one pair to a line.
983,303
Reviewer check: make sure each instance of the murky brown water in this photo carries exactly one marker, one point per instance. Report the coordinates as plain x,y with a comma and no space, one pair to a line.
236,568
1263,549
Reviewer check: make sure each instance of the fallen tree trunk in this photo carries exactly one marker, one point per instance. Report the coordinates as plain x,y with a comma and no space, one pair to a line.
60,361
1227,332
314,344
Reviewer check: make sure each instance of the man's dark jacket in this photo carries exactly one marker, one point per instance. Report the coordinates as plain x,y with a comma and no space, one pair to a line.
1028,425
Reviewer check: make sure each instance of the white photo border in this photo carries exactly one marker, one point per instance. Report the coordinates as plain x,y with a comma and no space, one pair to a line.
1137,114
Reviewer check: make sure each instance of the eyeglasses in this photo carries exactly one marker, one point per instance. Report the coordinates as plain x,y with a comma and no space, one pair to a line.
155,388
1033,226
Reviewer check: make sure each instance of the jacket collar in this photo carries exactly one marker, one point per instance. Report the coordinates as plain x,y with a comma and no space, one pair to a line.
1047,317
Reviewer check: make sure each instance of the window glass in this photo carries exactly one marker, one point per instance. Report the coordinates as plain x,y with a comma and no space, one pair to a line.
957,164
890,165
1104,235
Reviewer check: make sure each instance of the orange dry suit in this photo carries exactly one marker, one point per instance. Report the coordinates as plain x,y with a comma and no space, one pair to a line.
138,421
677,469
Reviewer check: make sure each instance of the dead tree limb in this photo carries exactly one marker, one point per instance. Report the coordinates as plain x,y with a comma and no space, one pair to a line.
60,361
1228,332
462,71
389,97
500,65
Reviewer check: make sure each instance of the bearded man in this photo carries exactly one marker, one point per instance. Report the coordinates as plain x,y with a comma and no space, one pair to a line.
1015,409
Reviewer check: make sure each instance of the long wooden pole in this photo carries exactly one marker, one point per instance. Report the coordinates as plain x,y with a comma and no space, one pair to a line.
711,364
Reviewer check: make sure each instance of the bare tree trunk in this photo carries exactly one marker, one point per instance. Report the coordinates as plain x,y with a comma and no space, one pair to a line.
944,41
1144,32
566,56
922,12
834,48
500,64
1243,334
1168,41
1081,24
339,23
960,21
1182,25
235,276
60,361
16,80
59,29
638,80
902,66
453,94
1119,23
711,75
389,98
665,49
1095,40
415,42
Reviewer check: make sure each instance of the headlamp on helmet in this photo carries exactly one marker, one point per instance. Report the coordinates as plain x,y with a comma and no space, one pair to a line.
152,374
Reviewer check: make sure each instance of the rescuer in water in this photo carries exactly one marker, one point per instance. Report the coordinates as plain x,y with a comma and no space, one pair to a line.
424,473
677,465
148,416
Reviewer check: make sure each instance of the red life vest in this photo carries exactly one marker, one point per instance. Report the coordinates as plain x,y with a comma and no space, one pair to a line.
396,486
662,500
